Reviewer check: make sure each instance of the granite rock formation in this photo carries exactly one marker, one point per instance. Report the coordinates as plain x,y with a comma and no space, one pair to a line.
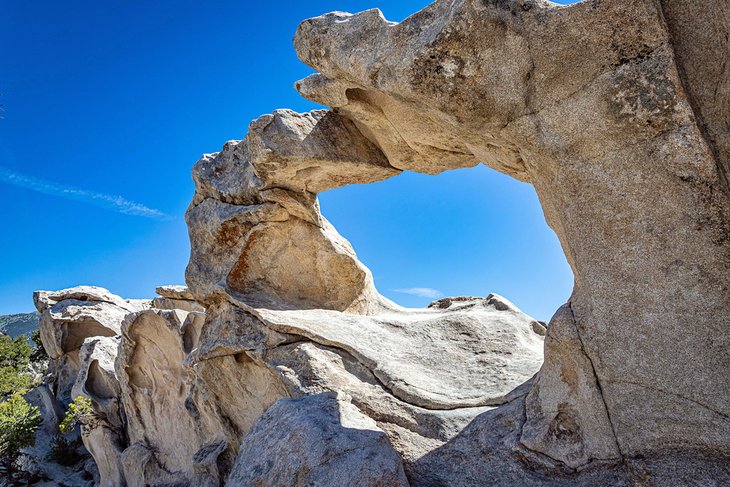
87,331
616,112
70,316
193,398
609,110
299,372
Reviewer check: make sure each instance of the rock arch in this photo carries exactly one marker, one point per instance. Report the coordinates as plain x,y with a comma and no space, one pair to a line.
603,106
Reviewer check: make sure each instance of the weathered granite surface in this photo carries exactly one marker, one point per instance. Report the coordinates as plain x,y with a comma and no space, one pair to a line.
300,373
70,316
616,111
609,110
187,398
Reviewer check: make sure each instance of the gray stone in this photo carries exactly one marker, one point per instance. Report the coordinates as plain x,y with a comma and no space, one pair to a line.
611,112
467,356
174,292
317,440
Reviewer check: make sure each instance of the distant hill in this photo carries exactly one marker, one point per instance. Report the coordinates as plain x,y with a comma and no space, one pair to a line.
19,324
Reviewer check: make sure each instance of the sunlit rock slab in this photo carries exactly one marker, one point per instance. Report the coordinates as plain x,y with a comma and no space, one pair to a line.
472,353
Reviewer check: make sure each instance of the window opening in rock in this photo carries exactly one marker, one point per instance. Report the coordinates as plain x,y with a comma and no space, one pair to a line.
463,232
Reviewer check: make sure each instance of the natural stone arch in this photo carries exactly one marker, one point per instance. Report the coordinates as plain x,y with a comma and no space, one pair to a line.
589,104
603,107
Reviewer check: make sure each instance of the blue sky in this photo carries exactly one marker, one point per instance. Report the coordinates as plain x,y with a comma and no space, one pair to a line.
107,105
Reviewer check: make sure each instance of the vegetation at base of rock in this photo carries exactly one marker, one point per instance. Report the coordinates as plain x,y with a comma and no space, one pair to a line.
14,351
18,424
39,353
15,354
63,451
80,411
12,381
19,420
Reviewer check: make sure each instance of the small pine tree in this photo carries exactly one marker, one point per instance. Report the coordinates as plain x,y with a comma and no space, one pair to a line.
39,354
18,424
80,411
13,381
14,352
14,359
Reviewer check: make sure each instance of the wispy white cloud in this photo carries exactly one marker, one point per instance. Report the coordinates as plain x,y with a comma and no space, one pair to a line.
102,200
422,292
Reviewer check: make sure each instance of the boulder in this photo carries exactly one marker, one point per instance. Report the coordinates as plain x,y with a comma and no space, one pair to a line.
317,440
473,354
175,297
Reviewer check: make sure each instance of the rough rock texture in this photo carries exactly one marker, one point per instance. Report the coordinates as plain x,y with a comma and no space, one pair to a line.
254,223
301,373
294,339
566,416
474,354
132,368
104,438
317,440
247,360
291,312
175,297
174,291
70,316
616,112
154,385
610,112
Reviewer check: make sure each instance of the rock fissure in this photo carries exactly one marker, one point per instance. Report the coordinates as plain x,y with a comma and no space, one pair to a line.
595,376
675,394
722,170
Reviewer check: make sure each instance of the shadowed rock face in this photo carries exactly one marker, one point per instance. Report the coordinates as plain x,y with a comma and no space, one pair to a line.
318,440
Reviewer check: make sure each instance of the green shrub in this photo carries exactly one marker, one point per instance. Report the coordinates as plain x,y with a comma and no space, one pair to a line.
14,352
18,424
14,359
39,353
80,411
13,381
